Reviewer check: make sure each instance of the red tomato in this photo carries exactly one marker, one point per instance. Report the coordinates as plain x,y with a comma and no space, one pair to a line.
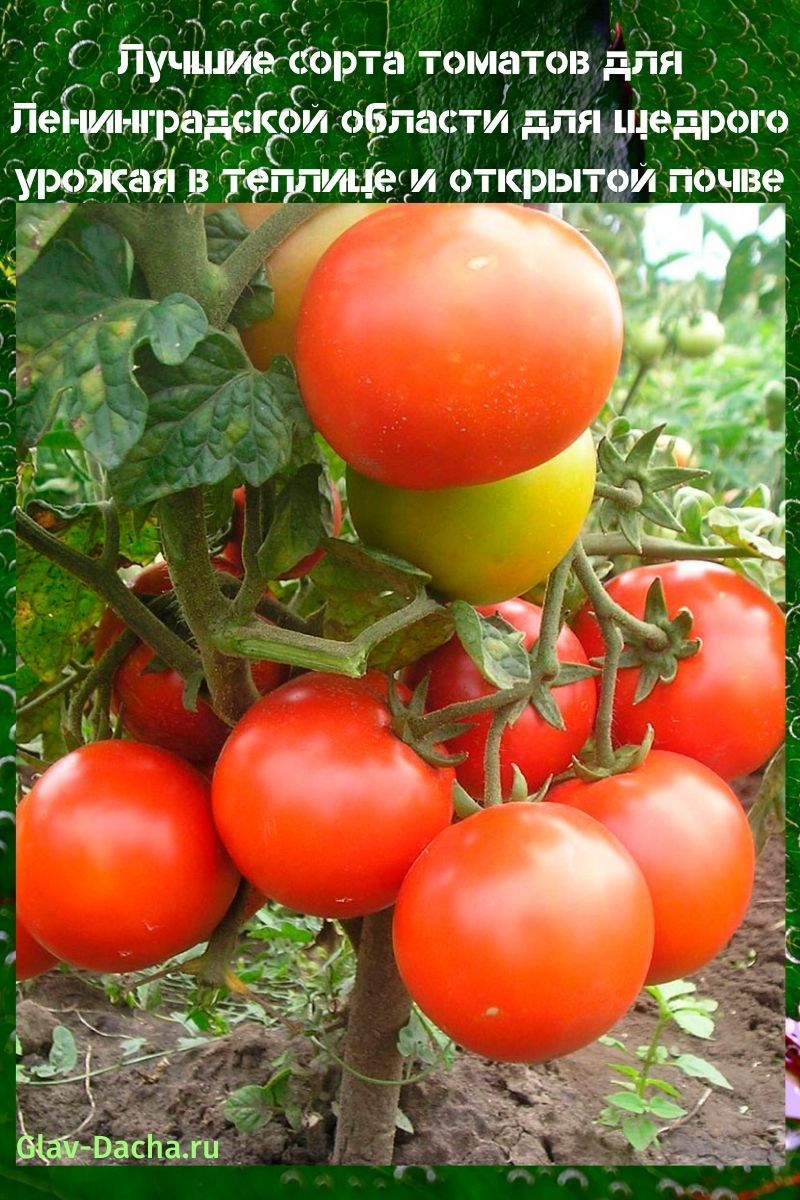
151,701
32,959
524,932
232,551
690,836
119,864
537,748
444,345
726,705
320,805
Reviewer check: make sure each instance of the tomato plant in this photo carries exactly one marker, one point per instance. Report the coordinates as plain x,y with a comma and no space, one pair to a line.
688,832
516,329
485,543
536,747
305,782
725,706
524,932
31,958
120,866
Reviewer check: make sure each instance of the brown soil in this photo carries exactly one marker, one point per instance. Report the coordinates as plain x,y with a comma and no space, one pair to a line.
476,1113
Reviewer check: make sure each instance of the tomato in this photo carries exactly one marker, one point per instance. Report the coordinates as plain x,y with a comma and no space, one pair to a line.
320,805
690,836
119,865
725,706
31,958
647,342
699,336
678,448
150,700
524,932
537,748
488,542
289,267
232,552
446,345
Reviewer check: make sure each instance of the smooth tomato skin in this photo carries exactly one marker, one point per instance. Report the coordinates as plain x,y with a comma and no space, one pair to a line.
289,268
31,958
320,805
701,337
446,345
726,706
118,861
486,543
523,932
537,748
151,701
232,551
690,836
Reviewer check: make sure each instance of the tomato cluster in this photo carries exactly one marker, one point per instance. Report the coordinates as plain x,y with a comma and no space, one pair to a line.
455,357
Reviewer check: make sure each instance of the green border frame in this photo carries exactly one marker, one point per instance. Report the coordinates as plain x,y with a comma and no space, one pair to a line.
736,53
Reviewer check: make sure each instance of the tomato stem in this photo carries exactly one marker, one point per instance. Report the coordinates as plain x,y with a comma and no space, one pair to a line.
493,791
638,379
605,607
105,582
100,675
379,1008
251,253
600,545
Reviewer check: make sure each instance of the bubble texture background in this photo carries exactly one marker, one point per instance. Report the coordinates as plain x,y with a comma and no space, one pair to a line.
737,53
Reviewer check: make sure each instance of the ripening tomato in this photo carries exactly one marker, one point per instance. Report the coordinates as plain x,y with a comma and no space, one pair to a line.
524,932
320,805
485,543
289,267
690,836
446,345
150,698
725,706
697,337
119,864
537,748
232,551
31,958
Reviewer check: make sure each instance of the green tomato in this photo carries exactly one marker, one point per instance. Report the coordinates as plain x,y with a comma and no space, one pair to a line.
647,342
486,543
775,403
699,336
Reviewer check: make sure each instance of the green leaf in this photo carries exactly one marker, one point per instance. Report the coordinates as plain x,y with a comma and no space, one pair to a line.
640,1132
768,813
54,608
736,527
698,1024
676,987
496,648
63,1054
402,1121
225,230
77,331
249,1108
666,1109
627,1101
299,523
37,224
208,417
698,1068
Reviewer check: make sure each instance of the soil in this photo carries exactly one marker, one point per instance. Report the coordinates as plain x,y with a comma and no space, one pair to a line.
477,1112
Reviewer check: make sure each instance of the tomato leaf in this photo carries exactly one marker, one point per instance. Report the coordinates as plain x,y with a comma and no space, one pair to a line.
299,523
208,417
628,1101
37,224
666,1109
225,230
77,331
496,648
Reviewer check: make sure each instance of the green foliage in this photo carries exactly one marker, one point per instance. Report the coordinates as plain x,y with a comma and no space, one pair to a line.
645,1104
